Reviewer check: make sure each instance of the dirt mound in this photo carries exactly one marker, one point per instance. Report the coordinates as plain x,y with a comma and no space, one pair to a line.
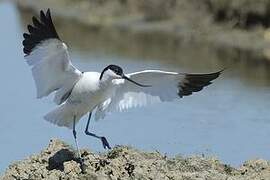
58,161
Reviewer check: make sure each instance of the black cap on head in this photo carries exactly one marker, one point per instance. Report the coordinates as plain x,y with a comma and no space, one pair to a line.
119,71
116,69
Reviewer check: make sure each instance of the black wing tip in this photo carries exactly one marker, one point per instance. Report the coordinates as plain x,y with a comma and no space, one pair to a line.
41,29
47,11
196,82
207,74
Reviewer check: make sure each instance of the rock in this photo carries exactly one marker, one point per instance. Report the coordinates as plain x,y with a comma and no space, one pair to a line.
72,167
58,161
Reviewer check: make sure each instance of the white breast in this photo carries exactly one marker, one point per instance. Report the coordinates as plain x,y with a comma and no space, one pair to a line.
85,88
88,93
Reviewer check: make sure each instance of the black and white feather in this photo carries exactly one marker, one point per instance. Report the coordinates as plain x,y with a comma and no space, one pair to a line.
48,56
165,86
40,31
195,82
111,90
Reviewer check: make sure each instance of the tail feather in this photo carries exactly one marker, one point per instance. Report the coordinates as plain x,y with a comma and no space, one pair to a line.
61,116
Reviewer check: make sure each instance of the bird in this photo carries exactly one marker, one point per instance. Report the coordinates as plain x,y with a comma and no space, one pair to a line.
77,93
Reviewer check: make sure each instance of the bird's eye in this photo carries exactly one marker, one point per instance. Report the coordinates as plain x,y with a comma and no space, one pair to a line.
118,72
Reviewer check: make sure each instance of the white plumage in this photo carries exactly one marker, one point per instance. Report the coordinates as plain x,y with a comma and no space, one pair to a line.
114,95
52,69
78,93
164,87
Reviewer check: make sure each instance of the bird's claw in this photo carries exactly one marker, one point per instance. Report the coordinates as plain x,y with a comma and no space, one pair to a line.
105,143
83,166
81,160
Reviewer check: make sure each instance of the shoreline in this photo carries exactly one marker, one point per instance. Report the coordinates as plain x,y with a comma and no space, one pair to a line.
178,25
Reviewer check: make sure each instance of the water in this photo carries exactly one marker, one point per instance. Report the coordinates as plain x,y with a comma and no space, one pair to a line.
229,119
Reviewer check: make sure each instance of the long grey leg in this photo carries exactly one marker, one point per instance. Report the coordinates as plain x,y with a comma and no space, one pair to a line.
75,137
102,138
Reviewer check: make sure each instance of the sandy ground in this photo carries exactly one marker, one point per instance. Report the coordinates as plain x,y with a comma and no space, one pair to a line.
57,161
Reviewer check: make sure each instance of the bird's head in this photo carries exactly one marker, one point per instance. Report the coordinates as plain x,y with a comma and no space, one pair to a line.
116,72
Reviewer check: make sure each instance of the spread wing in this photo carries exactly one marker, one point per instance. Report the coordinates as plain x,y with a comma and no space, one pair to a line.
48,56
165,86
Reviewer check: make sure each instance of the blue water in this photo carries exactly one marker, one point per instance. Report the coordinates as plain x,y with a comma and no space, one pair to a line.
229,119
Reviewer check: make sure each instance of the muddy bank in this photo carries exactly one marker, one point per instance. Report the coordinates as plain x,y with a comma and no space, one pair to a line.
57,161
239,25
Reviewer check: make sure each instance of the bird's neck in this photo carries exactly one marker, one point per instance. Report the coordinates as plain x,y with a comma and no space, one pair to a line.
106,80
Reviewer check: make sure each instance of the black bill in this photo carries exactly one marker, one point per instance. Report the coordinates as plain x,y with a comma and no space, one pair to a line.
138,84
